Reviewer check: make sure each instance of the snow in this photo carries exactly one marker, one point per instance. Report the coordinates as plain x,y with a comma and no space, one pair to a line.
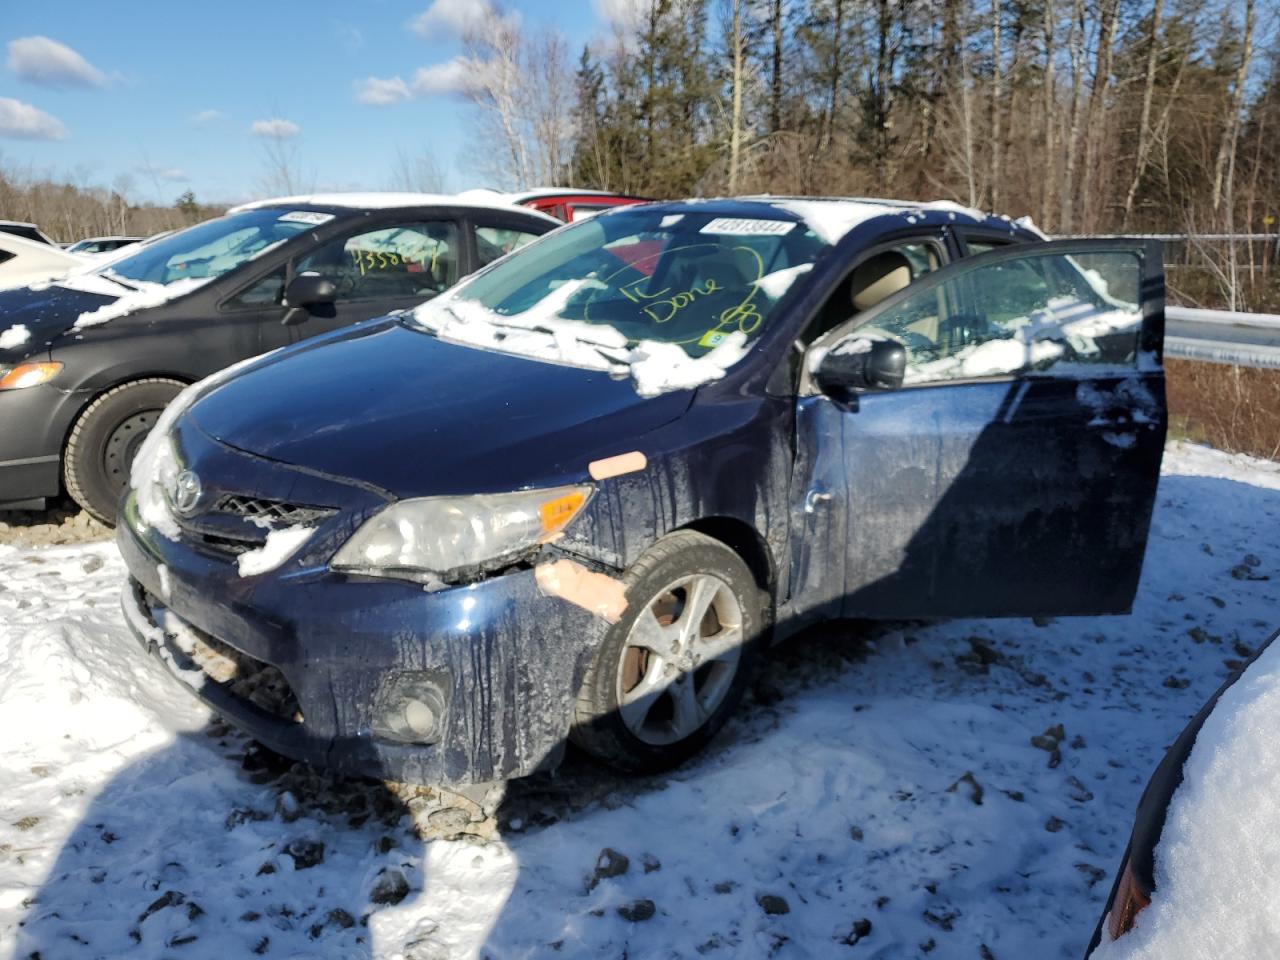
145,296
279,547
14,336
540,333
659,367
779,282
832,219
831,788
1218,860
382,200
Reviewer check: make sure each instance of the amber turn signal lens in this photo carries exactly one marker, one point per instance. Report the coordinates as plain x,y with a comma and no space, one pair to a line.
1130,901
29,375
556,513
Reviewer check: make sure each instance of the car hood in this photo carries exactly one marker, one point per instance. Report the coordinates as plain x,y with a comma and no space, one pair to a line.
417,416
46,311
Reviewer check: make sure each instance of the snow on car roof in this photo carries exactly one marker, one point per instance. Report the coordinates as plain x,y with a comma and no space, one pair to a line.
383,200
538,192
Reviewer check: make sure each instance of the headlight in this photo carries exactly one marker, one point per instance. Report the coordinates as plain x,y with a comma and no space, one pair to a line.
437,536
27,374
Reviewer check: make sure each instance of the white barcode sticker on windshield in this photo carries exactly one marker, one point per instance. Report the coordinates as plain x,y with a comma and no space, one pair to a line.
741,227
306,216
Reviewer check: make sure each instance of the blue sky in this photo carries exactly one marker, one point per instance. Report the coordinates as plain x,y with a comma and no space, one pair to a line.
168,93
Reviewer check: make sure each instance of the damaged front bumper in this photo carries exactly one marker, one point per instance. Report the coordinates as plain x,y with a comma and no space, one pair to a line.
307,663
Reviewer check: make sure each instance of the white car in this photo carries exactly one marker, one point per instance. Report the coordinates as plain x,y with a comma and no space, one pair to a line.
25,261
91,245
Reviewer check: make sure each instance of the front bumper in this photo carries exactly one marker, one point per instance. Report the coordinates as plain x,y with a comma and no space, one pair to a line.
33,423
513,658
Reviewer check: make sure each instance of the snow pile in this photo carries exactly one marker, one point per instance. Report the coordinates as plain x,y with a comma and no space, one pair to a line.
14,336
1041,337
984,360
832,220
540,333
280,546
659,367
1218,860
779,282
144,296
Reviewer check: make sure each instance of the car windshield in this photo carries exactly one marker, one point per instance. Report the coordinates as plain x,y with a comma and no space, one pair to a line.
639,277
212,248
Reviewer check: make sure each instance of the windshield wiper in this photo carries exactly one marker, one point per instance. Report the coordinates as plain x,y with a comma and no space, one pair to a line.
114,279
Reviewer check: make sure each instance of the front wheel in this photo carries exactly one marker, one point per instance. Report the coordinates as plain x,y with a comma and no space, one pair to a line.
105,439
670,672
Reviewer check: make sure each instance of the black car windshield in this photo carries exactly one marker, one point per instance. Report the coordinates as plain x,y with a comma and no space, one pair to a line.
638,276
212,248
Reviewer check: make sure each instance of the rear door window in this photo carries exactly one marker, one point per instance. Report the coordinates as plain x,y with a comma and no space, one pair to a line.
407,260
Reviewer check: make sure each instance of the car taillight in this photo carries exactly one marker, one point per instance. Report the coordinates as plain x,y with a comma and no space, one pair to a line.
1130,900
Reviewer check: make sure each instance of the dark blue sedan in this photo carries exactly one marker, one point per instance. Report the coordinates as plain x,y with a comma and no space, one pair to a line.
577,495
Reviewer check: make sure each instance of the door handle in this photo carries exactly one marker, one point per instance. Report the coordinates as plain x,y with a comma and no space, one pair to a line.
813,498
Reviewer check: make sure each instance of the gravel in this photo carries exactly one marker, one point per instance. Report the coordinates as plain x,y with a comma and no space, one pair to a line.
62,524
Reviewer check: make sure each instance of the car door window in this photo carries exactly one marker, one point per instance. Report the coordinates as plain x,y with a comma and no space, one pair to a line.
879,274
265,292
495,242
1042,312
408,260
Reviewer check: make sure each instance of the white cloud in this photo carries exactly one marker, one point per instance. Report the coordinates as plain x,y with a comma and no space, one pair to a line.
379,92
626,14
453,76
459,18
275,128
22,121
204,117
457,76
52,64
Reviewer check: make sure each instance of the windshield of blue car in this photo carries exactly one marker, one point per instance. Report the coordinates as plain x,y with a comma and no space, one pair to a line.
210,249
641,275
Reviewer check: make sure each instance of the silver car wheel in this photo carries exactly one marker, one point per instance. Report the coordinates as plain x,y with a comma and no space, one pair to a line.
679,659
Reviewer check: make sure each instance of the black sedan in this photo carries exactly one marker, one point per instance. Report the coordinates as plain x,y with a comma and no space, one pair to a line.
88,362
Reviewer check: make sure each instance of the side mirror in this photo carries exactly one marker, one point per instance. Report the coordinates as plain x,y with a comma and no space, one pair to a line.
305,291
862,362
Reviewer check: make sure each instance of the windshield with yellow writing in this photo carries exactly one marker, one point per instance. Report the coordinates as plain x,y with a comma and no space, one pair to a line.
689,279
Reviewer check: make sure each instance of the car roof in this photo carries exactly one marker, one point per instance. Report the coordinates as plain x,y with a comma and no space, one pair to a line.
833,217
541,193
386,200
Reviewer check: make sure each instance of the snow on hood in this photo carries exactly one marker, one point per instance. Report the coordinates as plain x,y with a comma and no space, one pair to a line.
14,336
1217,865
541,334
145,296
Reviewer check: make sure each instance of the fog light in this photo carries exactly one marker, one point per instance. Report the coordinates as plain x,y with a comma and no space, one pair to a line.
411,707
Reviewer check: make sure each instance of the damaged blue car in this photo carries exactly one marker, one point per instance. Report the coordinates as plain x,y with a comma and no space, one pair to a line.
575,497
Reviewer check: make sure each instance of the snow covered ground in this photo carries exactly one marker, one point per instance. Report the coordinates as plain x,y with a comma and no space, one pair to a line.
881,796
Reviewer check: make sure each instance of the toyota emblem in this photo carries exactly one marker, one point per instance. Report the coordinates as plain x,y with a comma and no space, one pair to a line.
186,492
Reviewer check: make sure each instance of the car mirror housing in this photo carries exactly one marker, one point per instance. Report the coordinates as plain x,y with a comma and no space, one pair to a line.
305,291
862,363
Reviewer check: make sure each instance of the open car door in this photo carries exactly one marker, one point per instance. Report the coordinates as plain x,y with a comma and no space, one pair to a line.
1013,471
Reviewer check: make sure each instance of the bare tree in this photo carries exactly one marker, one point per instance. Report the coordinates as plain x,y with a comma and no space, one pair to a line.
1231,128
1144,121
416,172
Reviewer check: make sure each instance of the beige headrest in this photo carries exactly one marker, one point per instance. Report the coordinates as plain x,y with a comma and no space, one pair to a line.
874,279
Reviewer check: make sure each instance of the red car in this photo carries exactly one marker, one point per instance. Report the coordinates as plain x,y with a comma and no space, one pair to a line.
565,203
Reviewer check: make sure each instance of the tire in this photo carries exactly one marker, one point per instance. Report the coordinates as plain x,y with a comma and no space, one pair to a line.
104,440
640,712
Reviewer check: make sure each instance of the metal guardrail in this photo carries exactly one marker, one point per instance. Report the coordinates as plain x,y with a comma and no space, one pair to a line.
1222,336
